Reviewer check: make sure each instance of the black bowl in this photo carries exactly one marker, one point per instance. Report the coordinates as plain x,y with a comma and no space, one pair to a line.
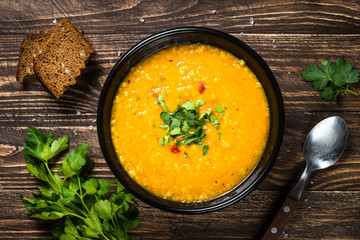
180,36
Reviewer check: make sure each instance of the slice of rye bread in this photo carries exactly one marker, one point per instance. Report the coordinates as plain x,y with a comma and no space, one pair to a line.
30,47
62,57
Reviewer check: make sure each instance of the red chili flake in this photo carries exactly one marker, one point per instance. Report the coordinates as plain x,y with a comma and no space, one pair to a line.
154,94
201,87
174,149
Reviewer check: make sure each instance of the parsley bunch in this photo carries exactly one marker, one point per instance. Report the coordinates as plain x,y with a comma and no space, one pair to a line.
74,196
331,78
185,124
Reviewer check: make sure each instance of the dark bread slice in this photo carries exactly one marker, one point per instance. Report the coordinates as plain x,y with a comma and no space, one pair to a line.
30,47
62,57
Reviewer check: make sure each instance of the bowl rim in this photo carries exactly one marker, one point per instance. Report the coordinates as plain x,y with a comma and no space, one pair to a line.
176,31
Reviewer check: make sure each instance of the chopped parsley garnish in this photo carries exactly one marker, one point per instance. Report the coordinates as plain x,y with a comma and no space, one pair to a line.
331,78
219,133
220,109
161,101
205,149
185,125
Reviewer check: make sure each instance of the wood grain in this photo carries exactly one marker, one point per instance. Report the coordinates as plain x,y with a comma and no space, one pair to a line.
328,17
289,35
246,219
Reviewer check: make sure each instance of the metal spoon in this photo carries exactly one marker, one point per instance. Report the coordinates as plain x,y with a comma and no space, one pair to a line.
322,148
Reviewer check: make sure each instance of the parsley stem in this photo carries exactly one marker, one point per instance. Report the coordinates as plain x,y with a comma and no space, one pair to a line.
75,208
75,215
352,92
105,236
56,186
81,195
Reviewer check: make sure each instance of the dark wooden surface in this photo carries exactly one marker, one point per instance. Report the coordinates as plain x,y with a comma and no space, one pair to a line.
289,35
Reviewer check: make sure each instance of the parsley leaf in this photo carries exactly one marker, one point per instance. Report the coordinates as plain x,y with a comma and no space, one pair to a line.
214,121
78,199
219,108
161,101
331,78
205,149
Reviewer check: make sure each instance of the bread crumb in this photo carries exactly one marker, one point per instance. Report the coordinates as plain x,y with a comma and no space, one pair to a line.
141,19
234,17
213,11
54,21
78,113
94,120
75,132
33,120
119,53
2,161
90,127
67,71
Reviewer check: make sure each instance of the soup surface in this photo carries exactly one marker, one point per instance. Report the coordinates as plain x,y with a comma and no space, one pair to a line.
181,73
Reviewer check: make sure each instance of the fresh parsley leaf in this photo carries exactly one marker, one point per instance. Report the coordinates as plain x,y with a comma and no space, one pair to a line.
161,101
175,131
74,161
175,123
93,226
199,103
205,149
165,117
165,127
205,114
163,141
186,155
43,147
219,108
214,121
331,78
189,106
185,127
219,133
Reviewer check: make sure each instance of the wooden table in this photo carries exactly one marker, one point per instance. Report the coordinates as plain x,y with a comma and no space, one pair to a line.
289,35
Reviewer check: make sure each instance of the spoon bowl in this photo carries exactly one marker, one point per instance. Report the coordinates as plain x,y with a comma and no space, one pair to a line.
325,143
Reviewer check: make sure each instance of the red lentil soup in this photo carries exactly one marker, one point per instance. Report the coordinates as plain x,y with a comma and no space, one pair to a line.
181,73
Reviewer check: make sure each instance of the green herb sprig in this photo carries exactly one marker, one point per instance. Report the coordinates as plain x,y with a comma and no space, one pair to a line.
185,124
331,78
72,195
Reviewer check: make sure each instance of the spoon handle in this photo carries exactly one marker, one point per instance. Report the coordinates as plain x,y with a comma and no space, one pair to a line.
277,225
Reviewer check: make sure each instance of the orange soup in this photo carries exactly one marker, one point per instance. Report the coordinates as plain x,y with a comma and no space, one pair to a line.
232,137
